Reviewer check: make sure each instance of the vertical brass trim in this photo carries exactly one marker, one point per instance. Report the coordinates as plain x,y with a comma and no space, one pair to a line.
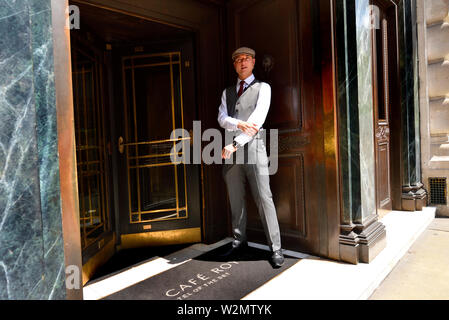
182,125
102,151
79,138
332,156
203,202
125,101
95,110
136,138
66,142
84,210
174,127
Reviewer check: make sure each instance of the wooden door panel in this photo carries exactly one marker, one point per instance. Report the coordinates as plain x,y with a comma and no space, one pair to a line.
277,55
283,44
383,177
383,75
290,203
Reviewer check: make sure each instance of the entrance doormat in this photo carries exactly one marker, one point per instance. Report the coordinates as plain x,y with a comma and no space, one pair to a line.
208,277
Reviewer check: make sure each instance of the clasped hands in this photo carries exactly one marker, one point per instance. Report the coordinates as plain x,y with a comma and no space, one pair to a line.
247,127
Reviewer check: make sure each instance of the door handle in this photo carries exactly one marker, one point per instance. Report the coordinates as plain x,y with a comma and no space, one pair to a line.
121,144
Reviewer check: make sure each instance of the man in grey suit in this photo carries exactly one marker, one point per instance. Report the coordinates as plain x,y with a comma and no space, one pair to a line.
243,110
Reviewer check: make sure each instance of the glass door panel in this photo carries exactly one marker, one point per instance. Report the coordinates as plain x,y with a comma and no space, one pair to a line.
153,108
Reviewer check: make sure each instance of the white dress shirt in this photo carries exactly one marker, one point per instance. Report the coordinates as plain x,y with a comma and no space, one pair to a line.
258,116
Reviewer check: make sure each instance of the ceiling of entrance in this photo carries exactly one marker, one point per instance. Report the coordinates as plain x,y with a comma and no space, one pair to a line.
116,27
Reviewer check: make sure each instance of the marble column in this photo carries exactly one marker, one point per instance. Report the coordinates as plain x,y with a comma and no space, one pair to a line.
31,244
414,196
362,235
365,106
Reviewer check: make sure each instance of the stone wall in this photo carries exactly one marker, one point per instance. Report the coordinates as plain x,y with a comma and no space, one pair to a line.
31,243
433,38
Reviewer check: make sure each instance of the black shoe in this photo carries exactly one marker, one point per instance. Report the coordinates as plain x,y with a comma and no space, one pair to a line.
277,259
233,251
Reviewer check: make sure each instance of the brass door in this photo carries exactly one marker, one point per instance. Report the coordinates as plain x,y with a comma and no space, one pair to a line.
162,196
383,43
87,73
92,156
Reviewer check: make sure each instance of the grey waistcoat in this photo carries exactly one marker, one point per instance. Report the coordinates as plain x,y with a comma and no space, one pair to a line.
241,108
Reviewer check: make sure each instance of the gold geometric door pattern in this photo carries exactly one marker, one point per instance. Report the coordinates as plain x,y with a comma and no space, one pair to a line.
153,106
90,148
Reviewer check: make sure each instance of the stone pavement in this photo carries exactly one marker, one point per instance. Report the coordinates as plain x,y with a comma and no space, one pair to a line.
423,272
319,278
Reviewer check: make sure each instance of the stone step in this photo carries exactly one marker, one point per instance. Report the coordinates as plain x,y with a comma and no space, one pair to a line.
441,162
438,78
439,138
439,115
438,41
436,10
440,150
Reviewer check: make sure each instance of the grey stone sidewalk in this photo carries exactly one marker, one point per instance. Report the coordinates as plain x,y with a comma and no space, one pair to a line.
423,272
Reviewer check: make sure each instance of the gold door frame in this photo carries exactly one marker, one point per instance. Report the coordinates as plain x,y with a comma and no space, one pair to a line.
176,211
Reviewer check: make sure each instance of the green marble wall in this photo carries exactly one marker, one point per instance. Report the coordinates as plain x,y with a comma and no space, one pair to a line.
348,111
365,106
355,103
408,59
31,244
416,124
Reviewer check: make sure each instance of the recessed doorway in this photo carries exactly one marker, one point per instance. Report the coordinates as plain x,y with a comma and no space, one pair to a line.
133,83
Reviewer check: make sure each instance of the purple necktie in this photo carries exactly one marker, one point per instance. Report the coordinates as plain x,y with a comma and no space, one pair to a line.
241,88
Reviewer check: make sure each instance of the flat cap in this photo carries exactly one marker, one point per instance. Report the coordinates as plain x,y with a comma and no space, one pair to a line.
244,50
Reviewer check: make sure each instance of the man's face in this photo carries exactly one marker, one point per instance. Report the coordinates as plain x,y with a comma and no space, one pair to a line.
244,65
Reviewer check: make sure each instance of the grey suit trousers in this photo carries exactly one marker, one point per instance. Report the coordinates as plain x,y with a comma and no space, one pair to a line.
255,170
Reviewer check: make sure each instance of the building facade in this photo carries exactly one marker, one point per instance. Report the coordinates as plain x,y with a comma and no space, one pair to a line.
88,105
433,36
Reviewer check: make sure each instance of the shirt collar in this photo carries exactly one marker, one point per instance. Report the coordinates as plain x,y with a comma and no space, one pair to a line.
247,80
